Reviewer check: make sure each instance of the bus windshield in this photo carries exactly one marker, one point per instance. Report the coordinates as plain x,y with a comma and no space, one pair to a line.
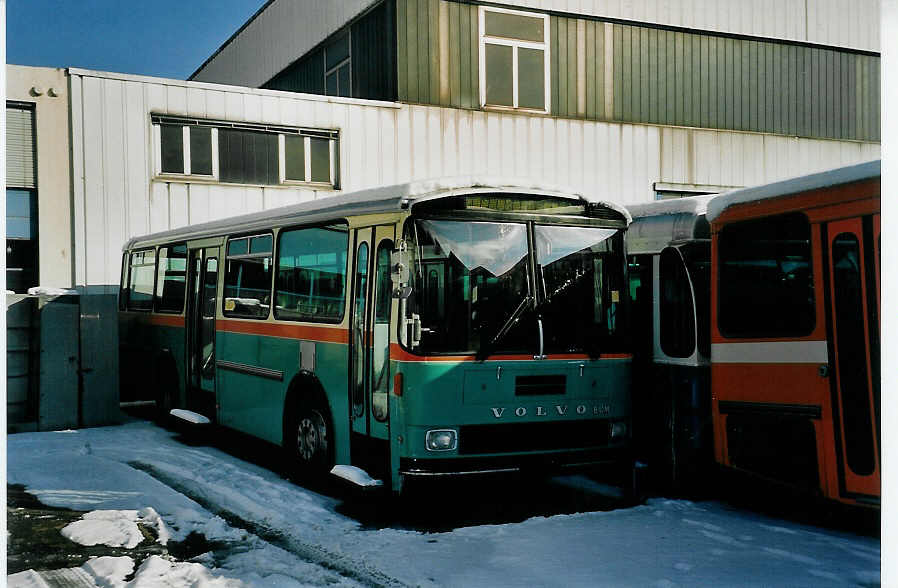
474,292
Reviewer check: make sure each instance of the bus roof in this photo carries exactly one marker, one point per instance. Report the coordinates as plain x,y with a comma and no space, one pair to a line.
833,177
384,199
664,222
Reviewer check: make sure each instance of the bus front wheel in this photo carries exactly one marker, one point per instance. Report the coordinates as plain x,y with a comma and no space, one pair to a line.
311,442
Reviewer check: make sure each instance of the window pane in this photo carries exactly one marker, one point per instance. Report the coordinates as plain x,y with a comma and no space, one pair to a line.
143,269
21,214
260,244
201,151
499,87
248,157
21,264
514,26
311,279
344,85
676,310
172,279
295,158
337,52
238,247
531,79
331,85
247,289
766,283
321,159
172,139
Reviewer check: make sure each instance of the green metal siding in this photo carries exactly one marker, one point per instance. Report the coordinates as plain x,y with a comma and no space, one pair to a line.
678,78
420,60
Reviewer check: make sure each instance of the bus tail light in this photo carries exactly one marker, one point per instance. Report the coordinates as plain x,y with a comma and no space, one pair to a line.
618,429
397,384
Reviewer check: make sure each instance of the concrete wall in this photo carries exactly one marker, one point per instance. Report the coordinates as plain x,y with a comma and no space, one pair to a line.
48,90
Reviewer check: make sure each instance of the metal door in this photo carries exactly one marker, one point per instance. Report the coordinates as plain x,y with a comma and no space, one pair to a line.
854,337
201,330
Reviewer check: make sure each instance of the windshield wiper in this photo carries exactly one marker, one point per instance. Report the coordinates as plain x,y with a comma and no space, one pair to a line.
487,350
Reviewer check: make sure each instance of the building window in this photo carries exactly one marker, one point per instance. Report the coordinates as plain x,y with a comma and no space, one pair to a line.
514,59
336,68
247,287
21,240
187,150
240,153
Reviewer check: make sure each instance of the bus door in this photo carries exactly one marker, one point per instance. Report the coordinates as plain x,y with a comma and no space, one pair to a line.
201,306
369,340
854,323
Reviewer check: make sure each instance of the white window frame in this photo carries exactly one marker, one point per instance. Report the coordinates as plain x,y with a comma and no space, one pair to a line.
307,153
329,135
185,137
515,45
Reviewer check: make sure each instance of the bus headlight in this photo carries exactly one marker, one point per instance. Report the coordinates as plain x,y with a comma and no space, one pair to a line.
441,440
618,429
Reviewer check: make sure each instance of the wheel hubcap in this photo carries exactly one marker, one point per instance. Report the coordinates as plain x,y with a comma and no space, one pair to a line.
311,436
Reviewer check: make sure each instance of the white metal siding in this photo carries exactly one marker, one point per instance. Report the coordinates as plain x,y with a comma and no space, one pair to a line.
283,32
116,197
20,147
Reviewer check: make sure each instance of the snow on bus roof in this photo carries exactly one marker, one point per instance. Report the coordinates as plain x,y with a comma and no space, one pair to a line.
696,205
374,200
833,177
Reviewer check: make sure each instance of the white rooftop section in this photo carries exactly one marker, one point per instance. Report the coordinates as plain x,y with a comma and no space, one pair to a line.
694,205
835,177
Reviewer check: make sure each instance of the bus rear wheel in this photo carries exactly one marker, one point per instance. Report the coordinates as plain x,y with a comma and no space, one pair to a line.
310,439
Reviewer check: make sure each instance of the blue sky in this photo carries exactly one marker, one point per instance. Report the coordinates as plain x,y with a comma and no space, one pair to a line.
166,38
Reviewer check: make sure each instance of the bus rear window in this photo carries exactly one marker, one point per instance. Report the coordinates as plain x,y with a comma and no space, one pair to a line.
247,287
311,276
766,286
140,284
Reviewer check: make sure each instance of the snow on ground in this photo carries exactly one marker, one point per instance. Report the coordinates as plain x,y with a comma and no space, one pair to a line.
294,536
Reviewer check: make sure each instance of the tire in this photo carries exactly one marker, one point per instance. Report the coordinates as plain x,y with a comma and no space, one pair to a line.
309,440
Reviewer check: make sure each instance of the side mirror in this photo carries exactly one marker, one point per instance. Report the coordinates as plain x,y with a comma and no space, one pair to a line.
399,271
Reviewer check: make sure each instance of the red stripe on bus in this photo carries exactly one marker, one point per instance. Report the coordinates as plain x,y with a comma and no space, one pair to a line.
166,320
397,353
286,331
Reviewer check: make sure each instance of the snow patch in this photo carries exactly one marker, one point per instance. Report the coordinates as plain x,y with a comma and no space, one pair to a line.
26,579
108,571
115,528
190,416
357,476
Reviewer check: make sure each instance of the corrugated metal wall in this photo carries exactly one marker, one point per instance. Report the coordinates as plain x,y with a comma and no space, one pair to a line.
437,55
285,30
372,60
605,71
383,144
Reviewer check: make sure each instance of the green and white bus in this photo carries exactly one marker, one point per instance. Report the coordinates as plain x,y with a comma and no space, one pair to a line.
431,329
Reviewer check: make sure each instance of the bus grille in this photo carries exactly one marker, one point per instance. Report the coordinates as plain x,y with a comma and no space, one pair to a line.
479,439
539,385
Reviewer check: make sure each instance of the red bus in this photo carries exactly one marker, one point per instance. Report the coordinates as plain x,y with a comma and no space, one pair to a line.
795,331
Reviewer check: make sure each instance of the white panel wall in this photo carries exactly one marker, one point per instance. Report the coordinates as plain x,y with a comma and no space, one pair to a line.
116,196
285,30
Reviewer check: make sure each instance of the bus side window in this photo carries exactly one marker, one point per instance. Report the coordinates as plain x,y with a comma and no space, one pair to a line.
140,283
677,314
171,281
247,288
311,274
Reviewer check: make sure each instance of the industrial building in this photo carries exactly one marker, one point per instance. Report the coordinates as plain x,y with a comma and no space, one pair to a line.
625,101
